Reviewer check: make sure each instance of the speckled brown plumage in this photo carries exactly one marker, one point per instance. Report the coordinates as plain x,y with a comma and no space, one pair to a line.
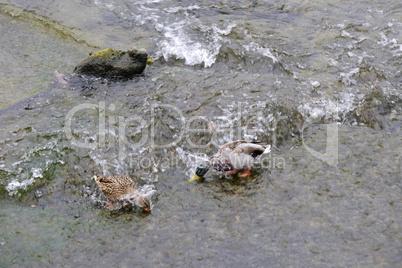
122,189
115,185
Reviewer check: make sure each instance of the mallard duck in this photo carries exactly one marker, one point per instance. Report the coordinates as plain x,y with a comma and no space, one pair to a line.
123,191
233,157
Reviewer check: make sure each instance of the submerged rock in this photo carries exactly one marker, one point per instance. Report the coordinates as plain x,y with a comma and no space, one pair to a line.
111,63
377,110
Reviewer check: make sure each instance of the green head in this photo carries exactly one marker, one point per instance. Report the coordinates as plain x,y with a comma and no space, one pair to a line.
201,170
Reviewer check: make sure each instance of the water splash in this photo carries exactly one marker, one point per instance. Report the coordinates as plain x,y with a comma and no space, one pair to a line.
148,190
392,44
256,48
191,160
179,43
334,109
181,35
14,186
347,78
28,165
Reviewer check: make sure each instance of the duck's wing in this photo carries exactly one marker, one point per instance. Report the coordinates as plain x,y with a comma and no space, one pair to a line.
122,181
253,149
231,145
126,182
221,160
238,154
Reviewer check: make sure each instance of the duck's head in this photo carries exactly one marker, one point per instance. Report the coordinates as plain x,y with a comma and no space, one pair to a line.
144,202
96,178
199,173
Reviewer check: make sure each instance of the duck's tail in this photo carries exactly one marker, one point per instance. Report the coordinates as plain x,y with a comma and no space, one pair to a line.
266,146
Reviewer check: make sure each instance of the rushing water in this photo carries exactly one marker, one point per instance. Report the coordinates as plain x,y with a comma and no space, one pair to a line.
321,82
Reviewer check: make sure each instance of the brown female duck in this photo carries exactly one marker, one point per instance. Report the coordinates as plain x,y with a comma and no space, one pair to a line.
122,190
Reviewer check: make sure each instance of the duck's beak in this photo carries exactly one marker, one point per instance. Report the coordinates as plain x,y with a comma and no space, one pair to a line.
196,177
148,209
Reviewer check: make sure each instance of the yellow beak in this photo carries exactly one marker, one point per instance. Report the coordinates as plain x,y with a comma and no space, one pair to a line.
148,209
196,177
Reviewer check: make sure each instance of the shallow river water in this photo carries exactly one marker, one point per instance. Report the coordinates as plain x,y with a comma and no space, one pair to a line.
321,82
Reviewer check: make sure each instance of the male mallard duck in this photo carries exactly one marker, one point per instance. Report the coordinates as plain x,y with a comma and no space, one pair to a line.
233,157
123,190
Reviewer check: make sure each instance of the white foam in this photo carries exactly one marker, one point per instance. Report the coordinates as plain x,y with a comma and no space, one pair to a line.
180,42
334,109
181,35
392,44
181,9
267,150
15,185
347,77
315,84
148,190
264,51
37,173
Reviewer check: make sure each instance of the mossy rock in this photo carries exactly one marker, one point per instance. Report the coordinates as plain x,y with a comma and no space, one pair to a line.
115,64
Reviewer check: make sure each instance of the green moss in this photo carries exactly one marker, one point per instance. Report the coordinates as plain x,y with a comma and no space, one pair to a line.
150,61
104,53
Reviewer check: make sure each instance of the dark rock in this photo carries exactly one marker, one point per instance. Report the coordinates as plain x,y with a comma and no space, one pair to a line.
111,63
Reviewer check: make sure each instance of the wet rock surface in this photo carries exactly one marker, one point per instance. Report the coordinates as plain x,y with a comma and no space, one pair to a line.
113,64
321,84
